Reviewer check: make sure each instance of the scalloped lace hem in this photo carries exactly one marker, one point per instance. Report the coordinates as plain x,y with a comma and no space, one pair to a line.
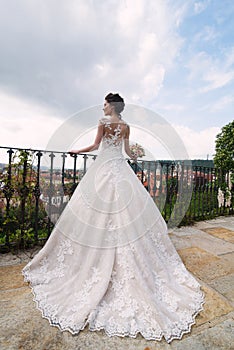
157,337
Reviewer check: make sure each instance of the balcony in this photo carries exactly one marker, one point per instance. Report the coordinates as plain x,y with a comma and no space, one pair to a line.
36,185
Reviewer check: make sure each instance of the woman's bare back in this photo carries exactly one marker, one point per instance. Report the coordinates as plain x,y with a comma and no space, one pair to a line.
114,128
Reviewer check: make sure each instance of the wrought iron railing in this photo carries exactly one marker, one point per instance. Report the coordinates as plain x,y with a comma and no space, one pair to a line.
35,186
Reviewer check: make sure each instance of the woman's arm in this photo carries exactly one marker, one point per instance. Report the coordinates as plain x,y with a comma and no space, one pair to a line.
96,143
126,144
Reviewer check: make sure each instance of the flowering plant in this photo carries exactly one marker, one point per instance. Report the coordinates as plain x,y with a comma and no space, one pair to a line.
137,150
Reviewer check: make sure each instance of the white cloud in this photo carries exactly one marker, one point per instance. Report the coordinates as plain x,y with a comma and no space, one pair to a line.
212,71
216,79
73,52
25,124
31,126
128,17
220,104
208,34
173,107
165,141
68,55
200,6
199,144
145,43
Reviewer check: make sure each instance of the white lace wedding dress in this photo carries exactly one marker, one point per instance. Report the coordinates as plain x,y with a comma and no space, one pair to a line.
109,262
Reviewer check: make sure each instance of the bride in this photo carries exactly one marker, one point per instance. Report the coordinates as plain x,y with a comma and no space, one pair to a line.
109,262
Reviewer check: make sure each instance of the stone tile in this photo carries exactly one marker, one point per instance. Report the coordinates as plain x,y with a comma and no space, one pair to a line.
23,328
20,257
195,258
219,337
10,277
9,259
186,231
212,244
12,312
201,239
225,286
30,331
215,306
13,294
207,266
225,221
204,254
221,232
181,242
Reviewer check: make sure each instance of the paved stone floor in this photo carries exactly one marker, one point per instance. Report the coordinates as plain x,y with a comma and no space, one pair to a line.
207,249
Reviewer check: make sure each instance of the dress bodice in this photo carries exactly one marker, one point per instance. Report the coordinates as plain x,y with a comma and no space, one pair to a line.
112,140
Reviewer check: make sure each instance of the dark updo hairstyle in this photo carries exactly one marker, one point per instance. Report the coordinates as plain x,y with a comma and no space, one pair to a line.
117,101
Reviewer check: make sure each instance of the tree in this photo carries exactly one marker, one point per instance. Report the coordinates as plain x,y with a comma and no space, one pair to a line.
224,147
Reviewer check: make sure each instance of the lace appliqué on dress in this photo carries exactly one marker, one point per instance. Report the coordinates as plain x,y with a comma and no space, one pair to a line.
45,273
112,139
139,300
141,287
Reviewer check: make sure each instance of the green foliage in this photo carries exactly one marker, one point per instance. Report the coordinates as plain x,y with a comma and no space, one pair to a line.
17,225
203,203
224,156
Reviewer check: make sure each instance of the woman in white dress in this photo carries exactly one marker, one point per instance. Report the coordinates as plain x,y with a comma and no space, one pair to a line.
109,262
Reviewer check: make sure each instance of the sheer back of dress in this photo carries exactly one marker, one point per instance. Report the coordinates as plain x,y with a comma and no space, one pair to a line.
114,132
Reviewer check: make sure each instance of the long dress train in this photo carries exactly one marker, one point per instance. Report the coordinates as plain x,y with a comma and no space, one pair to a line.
109,262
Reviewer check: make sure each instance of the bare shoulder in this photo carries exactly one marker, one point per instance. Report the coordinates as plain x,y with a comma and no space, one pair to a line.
127,129
103,120
124,122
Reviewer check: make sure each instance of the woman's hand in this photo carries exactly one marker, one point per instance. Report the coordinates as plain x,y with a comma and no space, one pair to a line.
73,152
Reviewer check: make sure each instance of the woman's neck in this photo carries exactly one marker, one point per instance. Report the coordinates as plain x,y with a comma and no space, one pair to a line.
115,116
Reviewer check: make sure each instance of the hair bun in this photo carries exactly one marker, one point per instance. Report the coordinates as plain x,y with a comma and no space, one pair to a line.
117,101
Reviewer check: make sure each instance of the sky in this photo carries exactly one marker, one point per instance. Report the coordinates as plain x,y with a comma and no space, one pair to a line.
174,58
